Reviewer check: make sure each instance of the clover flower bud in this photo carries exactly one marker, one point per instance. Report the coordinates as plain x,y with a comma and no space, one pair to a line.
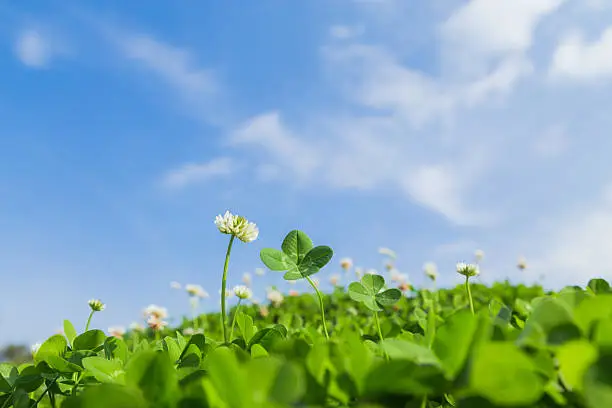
96,305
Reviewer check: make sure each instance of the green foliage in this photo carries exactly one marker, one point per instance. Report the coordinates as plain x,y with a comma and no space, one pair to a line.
298,258
521,348
368,292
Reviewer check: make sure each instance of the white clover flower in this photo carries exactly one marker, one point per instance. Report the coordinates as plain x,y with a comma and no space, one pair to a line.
260,271
275,297
334,279
155,311
371,272
188,331
467,270
237,226
358,272
116,331
479,255
292,282
196,291
431,270
156,323
34,347
175,285
246,279
96,305
389,266
242,292
346,263
255,301
136,326
522,263
294,292
386,251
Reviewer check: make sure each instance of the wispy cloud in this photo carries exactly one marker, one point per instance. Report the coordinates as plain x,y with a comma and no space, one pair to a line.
576,59
34,49
172,64
193,173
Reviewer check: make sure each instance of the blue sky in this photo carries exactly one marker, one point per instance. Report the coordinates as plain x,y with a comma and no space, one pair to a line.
431,127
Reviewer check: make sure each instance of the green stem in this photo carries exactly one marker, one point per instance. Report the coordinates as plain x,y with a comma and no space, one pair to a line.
194,314
378,326
89,320
234,319
223,288
7,401
35,404
469,292
321,304
424,402
380,334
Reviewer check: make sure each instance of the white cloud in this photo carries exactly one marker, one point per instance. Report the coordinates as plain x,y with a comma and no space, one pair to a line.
267,131
578,60
33,49
578,246
193,173
344,32
495,27
173,64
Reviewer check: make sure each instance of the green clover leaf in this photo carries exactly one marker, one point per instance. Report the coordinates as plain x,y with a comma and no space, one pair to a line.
368,292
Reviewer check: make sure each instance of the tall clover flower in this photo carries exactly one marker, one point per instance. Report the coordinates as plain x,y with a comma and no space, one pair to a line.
237,227
468,270
95,305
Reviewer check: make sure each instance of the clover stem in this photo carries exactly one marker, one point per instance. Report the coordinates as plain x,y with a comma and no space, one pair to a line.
378,326
234,319
321,304
45,392
380,334
7,401
223,286
424,402
194,314
89,320
469,292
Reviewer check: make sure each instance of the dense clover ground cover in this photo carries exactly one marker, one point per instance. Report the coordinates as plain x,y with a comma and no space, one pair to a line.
367,346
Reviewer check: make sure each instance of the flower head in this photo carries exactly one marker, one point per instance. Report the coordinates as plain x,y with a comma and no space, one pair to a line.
389,266
404,286
334,279
263,311
467,270
294,293
522,263
175,285
479,255
34,347
196,291
431,270
242,292
155,311
116,331
96,305
346,263
156,323
237,226
275,297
